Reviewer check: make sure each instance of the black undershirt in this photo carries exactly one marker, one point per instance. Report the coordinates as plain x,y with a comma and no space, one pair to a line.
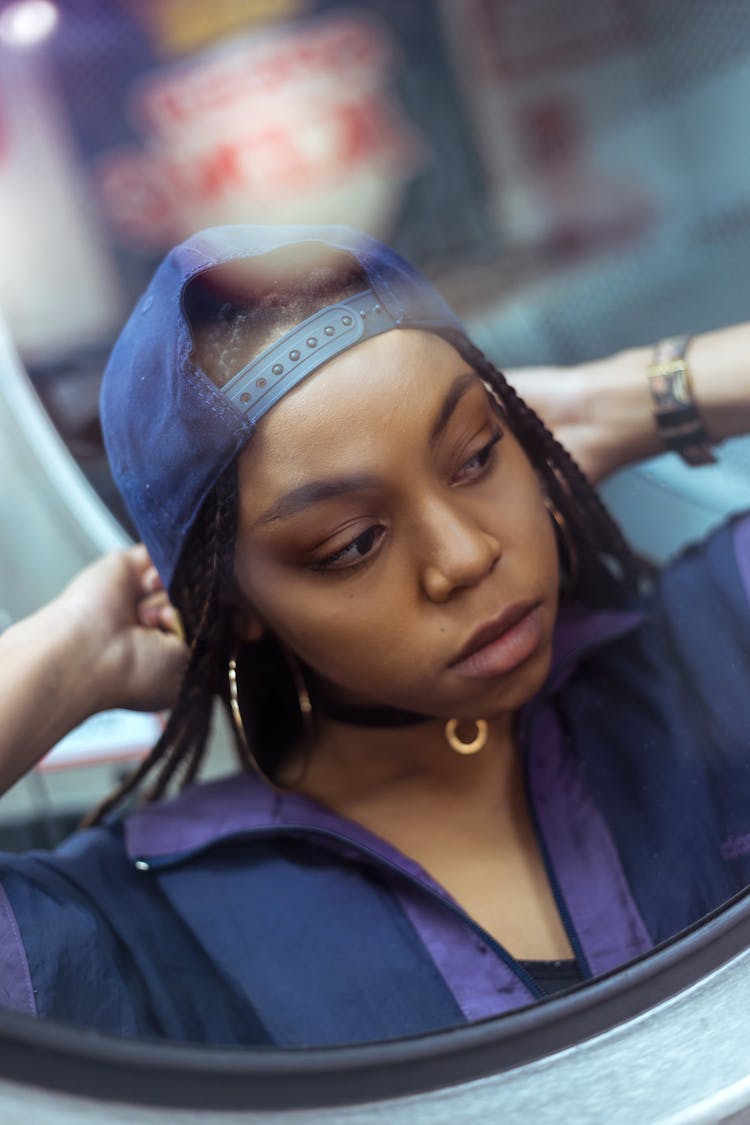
554,976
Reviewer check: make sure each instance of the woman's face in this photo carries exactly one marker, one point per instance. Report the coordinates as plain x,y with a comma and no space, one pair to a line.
387,514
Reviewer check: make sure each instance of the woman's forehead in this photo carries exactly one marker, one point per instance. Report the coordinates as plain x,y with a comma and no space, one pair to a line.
387,380
383,392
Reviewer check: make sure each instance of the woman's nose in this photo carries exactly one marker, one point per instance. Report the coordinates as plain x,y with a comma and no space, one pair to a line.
460,555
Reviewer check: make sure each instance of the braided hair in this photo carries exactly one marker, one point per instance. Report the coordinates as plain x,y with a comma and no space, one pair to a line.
607,570
607,573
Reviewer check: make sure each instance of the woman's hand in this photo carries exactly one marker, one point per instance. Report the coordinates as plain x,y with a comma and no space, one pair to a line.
602,411
110,639
133,633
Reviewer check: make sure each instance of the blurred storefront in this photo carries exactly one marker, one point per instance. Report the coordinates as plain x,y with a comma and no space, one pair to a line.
493,141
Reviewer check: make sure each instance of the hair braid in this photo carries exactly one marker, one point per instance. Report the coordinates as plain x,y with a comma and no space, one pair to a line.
199,591
596,537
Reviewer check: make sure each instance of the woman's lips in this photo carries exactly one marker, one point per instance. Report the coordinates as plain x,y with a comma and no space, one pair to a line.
502,644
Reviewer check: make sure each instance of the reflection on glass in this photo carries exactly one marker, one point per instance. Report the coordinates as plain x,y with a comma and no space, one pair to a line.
486,752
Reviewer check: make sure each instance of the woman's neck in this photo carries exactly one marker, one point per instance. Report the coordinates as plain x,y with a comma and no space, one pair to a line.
347,767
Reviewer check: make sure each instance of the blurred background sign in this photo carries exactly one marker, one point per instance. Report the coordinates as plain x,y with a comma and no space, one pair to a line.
298,124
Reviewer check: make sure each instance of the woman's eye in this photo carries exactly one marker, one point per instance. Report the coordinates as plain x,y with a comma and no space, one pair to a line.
354,552
479,462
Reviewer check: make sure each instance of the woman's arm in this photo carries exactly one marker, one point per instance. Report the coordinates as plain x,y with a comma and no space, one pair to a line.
602,411
108,640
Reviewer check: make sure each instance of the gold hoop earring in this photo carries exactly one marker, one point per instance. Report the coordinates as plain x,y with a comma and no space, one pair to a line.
234,707
303,695
455,743
565,540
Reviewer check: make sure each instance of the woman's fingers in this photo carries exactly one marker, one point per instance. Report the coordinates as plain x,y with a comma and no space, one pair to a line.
155,611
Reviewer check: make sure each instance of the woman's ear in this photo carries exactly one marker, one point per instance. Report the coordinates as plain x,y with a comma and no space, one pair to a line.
248,625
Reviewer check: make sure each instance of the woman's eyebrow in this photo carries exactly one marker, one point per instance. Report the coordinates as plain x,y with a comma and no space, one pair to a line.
461,384
314,492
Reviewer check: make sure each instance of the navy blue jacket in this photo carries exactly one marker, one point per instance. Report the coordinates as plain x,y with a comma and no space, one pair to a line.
238,915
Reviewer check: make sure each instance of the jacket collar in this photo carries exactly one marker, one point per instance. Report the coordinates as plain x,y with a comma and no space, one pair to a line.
245,804
581,631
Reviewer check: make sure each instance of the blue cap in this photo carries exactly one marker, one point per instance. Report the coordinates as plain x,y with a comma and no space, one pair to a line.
169,431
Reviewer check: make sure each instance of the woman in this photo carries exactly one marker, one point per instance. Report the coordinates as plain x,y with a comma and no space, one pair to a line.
487,753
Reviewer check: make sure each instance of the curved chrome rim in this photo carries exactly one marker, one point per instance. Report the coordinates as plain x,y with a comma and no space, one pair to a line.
147,1072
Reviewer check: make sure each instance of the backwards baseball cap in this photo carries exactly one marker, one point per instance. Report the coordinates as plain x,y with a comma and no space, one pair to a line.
169,431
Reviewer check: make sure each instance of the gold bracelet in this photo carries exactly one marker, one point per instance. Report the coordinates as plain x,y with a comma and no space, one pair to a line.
675,413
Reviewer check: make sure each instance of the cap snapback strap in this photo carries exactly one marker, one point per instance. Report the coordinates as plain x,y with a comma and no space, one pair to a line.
305,348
